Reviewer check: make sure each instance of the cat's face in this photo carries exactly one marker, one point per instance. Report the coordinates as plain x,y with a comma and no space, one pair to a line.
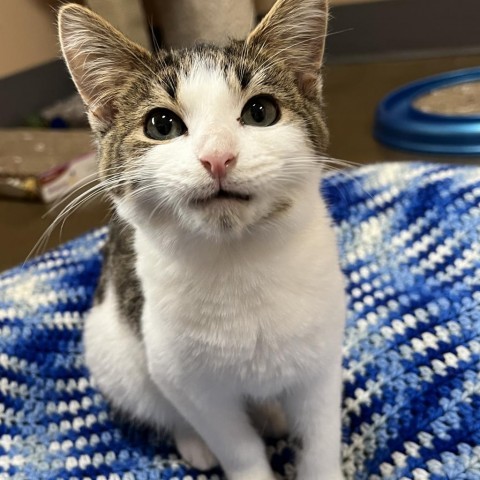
217,140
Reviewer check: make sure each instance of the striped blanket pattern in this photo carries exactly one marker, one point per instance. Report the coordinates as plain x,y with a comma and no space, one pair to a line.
410,241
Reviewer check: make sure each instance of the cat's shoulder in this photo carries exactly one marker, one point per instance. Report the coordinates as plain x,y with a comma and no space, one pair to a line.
119,272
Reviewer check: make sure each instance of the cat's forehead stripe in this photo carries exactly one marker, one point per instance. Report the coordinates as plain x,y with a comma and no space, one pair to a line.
170,84
168,74
205,89
229,64
244,76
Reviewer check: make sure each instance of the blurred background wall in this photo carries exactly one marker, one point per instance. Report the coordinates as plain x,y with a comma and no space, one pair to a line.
28,31
27,35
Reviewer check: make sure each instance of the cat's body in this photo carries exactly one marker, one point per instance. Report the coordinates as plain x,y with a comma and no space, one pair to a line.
221,289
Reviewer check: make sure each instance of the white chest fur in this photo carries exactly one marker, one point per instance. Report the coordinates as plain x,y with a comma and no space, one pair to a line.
256,316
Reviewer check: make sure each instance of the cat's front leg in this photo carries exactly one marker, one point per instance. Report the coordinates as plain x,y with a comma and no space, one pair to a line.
314,410
219,418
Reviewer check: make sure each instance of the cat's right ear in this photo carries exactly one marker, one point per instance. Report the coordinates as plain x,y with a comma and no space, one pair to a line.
101,61
294,32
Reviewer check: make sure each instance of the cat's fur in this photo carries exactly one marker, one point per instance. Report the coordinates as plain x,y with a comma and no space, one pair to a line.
204,308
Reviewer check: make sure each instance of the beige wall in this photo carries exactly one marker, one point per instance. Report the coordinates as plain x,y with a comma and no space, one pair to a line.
27,34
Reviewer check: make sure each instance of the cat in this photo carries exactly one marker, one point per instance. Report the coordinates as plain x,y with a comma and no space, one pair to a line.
221,292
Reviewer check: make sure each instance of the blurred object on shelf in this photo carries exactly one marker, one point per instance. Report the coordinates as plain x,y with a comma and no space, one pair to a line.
437,115
69,112
44,164
462,99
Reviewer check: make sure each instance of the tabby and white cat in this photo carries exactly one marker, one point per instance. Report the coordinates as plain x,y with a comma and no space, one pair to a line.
221,297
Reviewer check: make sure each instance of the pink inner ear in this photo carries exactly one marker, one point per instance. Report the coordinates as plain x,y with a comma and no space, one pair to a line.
309,83
103,114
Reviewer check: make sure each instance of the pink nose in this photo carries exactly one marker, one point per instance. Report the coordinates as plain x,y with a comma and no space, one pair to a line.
217,164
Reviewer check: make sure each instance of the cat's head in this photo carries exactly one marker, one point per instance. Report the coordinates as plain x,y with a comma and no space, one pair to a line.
215,140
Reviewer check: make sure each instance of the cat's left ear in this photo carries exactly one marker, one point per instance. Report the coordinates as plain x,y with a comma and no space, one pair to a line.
294,32
101,60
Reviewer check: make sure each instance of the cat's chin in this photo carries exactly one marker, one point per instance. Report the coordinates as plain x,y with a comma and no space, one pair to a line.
220,216
215,218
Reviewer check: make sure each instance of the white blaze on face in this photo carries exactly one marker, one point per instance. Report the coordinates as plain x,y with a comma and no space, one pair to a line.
212,111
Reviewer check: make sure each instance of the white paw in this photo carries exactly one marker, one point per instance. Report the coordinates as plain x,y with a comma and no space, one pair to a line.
253,475
318,474
195,451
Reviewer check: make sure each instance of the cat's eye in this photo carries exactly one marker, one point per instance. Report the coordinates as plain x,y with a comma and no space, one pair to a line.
163,124
260,111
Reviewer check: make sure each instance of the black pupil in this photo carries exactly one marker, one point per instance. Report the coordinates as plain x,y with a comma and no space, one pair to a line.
163,123
258,112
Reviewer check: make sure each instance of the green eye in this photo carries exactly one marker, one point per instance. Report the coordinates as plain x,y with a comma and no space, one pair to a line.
260,111
163,124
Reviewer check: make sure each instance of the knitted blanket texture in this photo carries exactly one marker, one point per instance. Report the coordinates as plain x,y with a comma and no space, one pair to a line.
409,236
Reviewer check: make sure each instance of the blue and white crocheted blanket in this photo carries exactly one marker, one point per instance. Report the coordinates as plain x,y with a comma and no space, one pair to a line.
410,241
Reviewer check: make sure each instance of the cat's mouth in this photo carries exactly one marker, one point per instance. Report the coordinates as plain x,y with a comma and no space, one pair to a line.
222,195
